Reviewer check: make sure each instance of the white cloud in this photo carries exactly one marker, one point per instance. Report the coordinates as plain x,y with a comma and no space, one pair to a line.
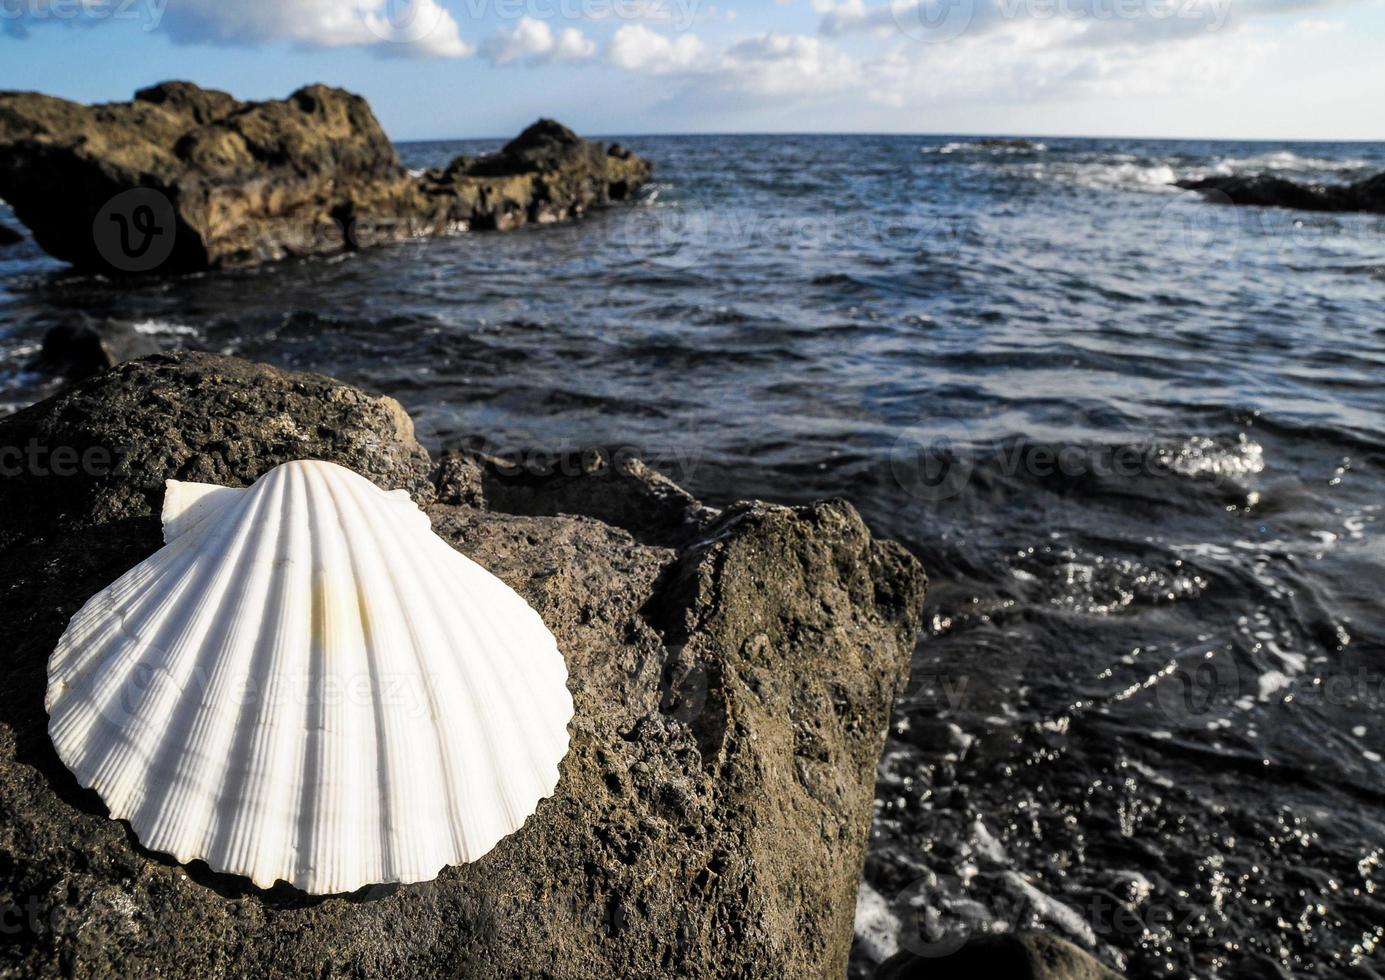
424,28
789,64
533,41
635,47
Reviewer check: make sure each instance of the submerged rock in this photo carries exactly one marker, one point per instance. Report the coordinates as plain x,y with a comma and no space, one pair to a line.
1268,191
87,347
184,178
1012,956
732,691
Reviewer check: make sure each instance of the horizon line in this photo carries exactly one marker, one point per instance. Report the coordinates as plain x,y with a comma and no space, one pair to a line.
1001,134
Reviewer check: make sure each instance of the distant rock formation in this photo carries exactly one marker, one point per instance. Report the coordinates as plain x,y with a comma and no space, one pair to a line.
1268,191
184,179
1007,143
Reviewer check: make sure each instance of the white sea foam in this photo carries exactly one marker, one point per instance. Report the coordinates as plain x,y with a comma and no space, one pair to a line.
877,926
163,328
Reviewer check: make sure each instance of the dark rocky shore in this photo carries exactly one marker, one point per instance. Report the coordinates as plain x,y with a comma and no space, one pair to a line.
184,179
1269,191
733,673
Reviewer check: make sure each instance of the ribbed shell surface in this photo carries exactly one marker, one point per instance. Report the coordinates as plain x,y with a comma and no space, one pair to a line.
307,684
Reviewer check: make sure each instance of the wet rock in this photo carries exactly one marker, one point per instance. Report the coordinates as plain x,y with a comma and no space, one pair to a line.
731,697
1265,190
183,178
10,236
88,347
1012,956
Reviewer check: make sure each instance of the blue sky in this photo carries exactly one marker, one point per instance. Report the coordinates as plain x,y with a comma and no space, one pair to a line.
1268,69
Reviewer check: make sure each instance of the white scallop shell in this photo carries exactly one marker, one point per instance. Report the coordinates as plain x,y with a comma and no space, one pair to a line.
307,684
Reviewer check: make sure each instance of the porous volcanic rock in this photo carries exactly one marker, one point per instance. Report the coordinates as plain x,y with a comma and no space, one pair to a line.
1266,190
183,178
732,694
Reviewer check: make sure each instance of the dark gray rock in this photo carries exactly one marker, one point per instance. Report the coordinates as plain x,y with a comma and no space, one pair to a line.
183,178
1264,190
622,492
10,236
731,701
1011,956
87,347
101,450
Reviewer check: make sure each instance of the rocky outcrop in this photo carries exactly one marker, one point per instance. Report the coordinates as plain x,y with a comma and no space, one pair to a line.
10,236
87,346
732,688
1013,956
1268,191
183,178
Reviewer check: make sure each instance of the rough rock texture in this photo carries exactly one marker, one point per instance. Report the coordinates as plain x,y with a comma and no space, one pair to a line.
1268,191
1021,956
100,451
623,492
86,347
731,700
228,183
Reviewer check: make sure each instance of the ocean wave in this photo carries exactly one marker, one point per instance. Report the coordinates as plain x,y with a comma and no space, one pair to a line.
996,146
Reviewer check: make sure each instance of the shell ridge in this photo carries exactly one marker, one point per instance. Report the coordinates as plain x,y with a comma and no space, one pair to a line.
503,673
504,596
185,723
390,546
122,597
492,688
107,761
501,596
383,774
228,841
313,748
